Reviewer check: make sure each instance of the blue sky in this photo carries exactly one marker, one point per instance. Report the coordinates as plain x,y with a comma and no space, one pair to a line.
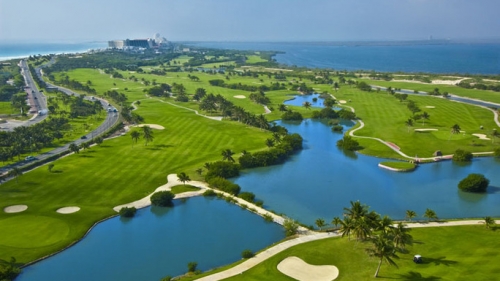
249,20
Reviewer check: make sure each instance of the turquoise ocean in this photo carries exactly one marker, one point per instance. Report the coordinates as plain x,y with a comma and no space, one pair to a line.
406,56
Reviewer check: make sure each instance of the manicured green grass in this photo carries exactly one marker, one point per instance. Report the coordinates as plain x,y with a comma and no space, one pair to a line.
449,253
455,90
254,59
384,117
404,166
6,108
114,173
183,188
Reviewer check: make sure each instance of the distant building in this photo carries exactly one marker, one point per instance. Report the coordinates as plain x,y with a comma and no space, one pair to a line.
157,42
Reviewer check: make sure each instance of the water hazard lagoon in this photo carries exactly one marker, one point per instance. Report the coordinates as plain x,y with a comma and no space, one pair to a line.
315,183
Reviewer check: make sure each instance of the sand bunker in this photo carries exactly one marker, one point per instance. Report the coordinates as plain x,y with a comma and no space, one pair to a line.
15,208
430,106
68,210
115,88
298,269
481,136
152,126
425,130
342,101
240,97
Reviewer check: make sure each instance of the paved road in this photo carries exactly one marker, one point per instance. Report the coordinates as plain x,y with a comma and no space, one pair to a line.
41,104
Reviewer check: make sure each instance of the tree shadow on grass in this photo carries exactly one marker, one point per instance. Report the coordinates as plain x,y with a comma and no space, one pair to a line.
413,275
86,156
438,261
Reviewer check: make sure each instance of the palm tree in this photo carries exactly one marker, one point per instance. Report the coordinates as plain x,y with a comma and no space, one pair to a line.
383,248
282,107
320,223
84,145
490,222
455,129
430,214
15,173
401,237
336,221
410,214
409,123
74,148
424,116
147,134
199,171
227,154
346,227
182,177
307,105
135,136
385,224
270,142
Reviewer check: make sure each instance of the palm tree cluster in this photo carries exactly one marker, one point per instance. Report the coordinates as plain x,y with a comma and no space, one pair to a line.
31,139
386,238
219,104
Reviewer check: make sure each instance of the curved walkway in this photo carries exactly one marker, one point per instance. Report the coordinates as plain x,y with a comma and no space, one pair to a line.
266,254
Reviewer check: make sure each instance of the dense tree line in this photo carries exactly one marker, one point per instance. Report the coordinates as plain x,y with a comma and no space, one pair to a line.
212,103
479,86
27,139
259,98
73,84
238,86
277,154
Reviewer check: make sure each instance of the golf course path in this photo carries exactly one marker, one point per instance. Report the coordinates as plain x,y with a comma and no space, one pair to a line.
266,254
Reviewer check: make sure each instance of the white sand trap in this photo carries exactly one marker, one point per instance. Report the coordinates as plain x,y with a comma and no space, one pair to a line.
15,209
298,269
115,88
68,210
342,101
240,97
481,136
152,126
430,106
425,130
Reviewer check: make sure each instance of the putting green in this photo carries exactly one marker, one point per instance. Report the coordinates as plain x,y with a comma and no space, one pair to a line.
32,231
443,135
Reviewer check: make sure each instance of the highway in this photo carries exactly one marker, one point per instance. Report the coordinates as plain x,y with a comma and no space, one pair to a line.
40,103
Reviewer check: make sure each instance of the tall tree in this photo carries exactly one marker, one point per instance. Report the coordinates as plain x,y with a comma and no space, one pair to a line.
424,116
182,177
307,105
74,148
410,214
320,223
409,123
135,135
401,236
227,154
489,222
147,134
382,248
430,214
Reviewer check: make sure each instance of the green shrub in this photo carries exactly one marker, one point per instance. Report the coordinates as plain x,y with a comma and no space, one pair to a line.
348,143
337,128
224,185
268,217
291,227
474,183
292,116
192,266
496,153
246,254
127,212
209,193
462,156
223,169
162,198
247,196
166,278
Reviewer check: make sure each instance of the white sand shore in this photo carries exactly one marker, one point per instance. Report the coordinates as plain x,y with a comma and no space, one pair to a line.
153,126
68,210
425,130
481,136
15,209
298,269
172,181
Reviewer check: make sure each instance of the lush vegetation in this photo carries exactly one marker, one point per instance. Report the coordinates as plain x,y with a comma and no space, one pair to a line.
162,198
474,183
127,212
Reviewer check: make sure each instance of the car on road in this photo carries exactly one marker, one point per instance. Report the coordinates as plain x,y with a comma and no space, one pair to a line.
30,158
84,137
